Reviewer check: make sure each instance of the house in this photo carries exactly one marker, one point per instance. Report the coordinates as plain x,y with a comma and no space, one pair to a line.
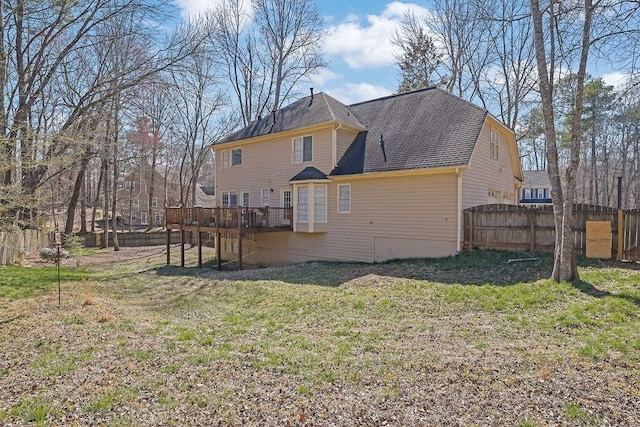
377,180
205,196
536,189
134,191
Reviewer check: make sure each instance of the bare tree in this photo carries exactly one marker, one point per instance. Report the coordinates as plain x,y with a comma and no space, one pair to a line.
564,268
266,57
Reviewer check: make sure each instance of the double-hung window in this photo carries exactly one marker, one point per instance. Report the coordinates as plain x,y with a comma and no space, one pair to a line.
303,149
320,203
236,157
344,198
233,199
225,199
303,204
493,145
265,197
225,160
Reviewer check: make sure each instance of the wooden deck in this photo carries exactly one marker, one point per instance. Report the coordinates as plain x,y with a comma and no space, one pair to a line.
240,221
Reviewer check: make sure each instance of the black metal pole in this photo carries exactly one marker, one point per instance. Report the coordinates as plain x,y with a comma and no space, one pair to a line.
58,257
619,192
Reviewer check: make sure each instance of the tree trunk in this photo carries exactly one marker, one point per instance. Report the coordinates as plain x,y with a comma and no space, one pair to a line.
75,194
97,199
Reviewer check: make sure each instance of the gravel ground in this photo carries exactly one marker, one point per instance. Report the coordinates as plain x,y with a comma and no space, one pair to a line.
114,359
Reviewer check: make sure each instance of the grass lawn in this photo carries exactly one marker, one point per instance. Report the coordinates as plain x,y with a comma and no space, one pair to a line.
472,340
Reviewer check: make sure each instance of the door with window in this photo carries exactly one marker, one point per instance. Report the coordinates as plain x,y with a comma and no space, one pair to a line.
286,203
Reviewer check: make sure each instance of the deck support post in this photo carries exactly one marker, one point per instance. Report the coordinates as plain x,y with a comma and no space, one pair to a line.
199,249
181,247
168,246
218,252
239,251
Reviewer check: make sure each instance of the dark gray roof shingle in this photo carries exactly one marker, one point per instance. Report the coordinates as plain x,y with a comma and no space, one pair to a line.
309,173
428,128
308,111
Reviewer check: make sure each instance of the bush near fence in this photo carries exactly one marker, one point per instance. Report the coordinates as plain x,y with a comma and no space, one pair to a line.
14,245
520,228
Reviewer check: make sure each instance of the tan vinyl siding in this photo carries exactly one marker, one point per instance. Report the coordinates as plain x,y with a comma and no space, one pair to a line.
391,217
269,164
344,140
485,173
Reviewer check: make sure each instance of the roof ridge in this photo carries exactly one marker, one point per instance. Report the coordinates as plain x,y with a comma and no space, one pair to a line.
324,97
393,95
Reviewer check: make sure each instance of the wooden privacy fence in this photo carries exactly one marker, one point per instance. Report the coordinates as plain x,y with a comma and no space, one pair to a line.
15,244
519,228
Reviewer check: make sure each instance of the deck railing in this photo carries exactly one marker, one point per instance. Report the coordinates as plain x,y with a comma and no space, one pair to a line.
231,218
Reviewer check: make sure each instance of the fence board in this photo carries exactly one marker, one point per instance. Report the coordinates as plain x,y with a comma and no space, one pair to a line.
519,228
16,244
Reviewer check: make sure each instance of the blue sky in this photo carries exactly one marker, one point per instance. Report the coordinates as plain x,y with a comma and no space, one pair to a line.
361,58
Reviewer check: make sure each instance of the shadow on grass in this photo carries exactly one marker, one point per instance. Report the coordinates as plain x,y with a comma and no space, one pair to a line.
590,290
473,268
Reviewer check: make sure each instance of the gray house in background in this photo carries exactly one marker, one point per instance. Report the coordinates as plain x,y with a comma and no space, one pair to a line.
536,190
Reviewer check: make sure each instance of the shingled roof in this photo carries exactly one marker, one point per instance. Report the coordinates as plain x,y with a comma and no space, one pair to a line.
428,128
308,111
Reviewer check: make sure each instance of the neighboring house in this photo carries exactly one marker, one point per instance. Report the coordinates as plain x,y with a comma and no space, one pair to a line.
536,189
382,179
133,195
205,196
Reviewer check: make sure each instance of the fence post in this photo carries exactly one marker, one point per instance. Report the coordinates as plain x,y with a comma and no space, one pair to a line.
620,234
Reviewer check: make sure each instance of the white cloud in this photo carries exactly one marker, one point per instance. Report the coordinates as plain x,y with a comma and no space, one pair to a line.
196,7
367,44
350,93
615,79
321,77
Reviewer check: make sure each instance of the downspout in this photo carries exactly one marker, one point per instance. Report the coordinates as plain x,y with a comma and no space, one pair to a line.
460,214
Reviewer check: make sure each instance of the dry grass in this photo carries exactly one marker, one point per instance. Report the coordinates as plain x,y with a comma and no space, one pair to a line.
468,341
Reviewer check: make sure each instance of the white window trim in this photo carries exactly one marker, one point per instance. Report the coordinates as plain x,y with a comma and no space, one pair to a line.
494,145
235,193
222,204
241,200
309,214
324,221
293,147
338,197
239,164
224,160
282,200
262,192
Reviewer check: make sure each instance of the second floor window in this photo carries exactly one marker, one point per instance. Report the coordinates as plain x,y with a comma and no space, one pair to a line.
225,160
236,157
154,202
303,149
265,197
493,148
